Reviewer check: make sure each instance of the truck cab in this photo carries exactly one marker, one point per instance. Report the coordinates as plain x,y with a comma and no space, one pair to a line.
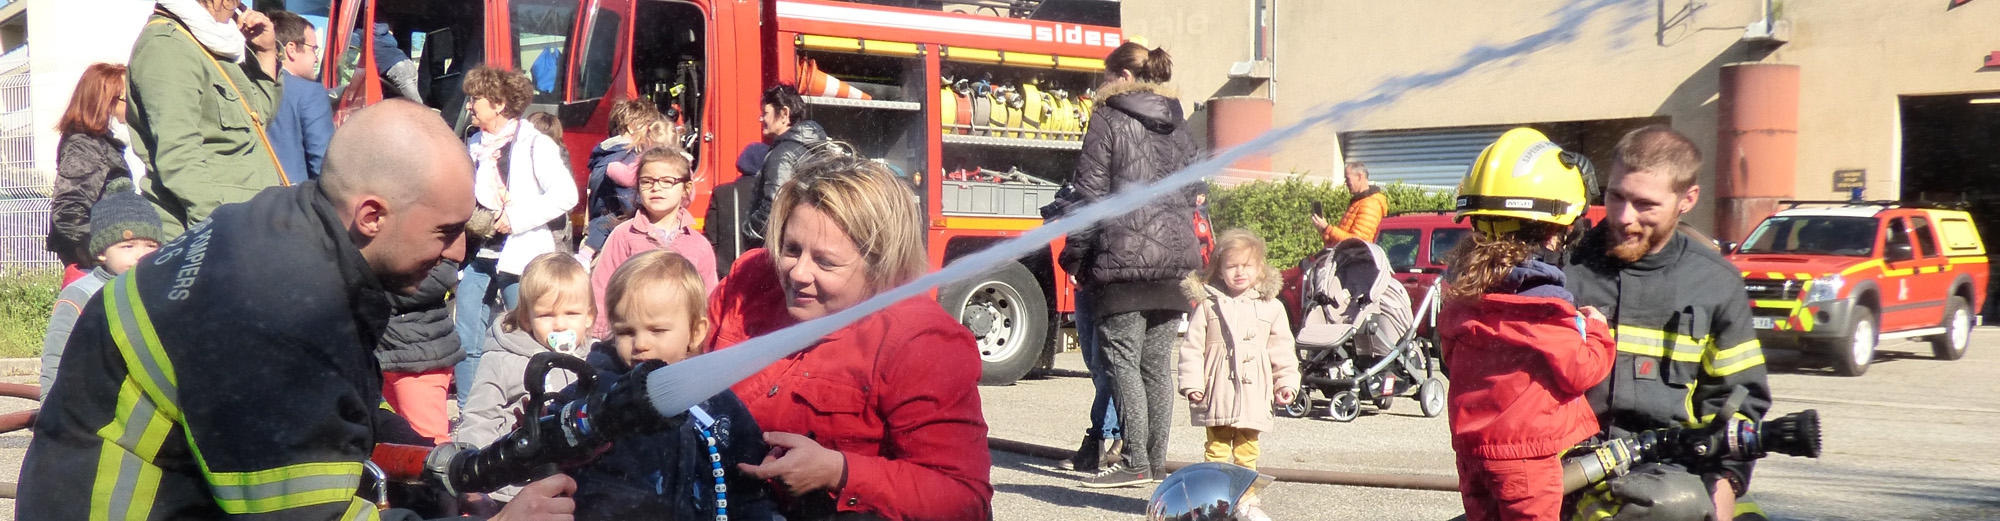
1840,277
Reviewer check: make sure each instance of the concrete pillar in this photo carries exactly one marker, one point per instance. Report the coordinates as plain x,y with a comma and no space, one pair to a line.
1757,143
1234,120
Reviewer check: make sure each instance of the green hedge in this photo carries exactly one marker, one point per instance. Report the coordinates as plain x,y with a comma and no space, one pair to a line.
26,299
1280,211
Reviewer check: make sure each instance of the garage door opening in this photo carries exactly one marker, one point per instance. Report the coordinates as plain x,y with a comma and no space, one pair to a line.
1951,152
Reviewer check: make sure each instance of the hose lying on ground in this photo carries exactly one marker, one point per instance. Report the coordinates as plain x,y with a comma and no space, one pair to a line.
1317,477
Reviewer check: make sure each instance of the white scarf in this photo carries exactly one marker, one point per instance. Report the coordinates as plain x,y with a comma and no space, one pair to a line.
132,162
490,189
221,38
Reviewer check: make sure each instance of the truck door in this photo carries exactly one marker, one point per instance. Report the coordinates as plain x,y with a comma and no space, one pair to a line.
1905,303
1932,285
441,39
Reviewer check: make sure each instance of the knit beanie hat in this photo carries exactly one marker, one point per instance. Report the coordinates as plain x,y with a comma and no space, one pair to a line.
122,215
751,160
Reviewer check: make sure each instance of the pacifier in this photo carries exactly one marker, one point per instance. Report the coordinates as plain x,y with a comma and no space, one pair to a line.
562,341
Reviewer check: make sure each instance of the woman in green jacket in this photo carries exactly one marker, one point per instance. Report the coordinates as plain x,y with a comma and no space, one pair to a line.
202,84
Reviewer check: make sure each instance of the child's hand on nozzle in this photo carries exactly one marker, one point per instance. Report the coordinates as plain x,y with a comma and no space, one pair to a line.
1195,396
1592,313
1286,395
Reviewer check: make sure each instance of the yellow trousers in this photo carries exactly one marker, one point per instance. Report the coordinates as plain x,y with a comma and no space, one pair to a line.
1224,442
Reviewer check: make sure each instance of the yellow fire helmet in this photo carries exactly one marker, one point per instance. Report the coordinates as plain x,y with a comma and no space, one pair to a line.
1524,176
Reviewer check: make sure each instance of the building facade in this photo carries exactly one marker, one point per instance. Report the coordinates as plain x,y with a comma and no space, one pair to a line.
1903,95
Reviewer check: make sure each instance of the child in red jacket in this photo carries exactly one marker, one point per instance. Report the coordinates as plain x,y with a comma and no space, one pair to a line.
1519,352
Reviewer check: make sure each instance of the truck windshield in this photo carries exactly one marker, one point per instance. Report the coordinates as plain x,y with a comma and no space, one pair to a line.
1817,235
1401,245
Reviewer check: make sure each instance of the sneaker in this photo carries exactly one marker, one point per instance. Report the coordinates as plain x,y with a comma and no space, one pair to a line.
1159,473
1116,475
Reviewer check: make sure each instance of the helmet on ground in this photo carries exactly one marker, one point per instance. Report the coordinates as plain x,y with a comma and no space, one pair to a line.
1206,491
1524,176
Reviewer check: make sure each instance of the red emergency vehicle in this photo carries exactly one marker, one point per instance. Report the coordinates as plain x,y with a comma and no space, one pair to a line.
982,115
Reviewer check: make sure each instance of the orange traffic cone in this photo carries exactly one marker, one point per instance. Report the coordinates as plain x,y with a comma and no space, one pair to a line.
818,83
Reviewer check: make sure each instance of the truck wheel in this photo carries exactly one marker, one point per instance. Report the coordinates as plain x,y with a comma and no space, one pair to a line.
1852,354
1009,317
1957,331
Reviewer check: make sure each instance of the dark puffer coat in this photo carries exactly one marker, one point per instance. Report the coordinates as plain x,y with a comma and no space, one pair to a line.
84,163
1137,136
778,166
420,335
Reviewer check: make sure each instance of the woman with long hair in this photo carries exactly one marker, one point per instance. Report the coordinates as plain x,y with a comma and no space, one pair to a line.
91,154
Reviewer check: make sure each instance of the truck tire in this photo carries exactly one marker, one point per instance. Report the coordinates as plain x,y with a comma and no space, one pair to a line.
1008,315
1957,331
1851,355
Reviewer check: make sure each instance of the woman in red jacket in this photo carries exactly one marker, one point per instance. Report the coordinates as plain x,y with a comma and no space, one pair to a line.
1520,354
880,420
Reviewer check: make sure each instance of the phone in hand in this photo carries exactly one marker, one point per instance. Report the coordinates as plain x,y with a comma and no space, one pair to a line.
1317,209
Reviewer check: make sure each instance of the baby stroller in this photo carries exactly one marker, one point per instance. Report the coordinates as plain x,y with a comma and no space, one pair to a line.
1359,339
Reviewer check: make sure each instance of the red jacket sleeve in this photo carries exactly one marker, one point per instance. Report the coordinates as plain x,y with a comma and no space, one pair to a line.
929,402
1579,359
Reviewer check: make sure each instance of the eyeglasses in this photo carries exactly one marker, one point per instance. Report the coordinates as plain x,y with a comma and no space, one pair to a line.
649,183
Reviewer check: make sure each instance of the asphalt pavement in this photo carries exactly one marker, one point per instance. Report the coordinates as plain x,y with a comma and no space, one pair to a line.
1916,439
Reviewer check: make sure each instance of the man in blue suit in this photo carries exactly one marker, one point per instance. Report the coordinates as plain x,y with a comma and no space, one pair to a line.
304,123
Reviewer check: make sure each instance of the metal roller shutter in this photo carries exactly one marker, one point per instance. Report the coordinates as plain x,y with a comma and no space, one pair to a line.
1431,157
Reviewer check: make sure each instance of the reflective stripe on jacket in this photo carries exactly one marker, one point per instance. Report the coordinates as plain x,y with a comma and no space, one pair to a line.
1685,341
230,374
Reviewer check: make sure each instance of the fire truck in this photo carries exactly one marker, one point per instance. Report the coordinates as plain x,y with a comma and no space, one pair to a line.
983,116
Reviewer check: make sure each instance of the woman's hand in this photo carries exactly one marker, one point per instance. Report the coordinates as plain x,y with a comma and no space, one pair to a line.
501,226
800,464
1286,395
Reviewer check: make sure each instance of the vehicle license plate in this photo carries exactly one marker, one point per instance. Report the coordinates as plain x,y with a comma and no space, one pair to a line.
1763,322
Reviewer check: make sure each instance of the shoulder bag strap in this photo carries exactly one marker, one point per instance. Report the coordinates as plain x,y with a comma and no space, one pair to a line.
256,122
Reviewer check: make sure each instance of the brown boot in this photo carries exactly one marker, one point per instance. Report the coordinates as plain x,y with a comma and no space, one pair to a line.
1114,450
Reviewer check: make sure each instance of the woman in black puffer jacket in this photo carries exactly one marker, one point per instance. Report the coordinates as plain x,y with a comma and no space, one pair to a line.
418,351
1134,263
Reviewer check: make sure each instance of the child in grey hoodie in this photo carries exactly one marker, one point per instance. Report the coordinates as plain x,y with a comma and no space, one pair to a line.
123,228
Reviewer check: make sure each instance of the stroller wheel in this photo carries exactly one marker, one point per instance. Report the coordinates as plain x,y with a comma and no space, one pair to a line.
1345,407
1431,398
1300,406
1385,401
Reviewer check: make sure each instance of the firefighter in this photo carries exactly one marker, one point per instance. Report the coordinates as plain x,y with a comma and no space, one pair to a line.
232,373
1683,329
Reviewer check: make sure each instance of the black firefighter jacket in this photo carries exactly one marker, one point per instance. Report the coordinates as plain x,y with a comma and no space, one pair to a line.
1685,339
231,374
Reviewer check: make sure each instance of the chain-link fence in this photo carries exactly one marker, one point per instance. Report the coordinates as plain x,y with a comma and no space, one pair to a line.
24,190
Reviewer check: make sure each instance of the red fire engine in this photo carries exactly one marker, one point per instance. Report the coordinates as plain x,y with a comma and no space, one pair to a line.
983,116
